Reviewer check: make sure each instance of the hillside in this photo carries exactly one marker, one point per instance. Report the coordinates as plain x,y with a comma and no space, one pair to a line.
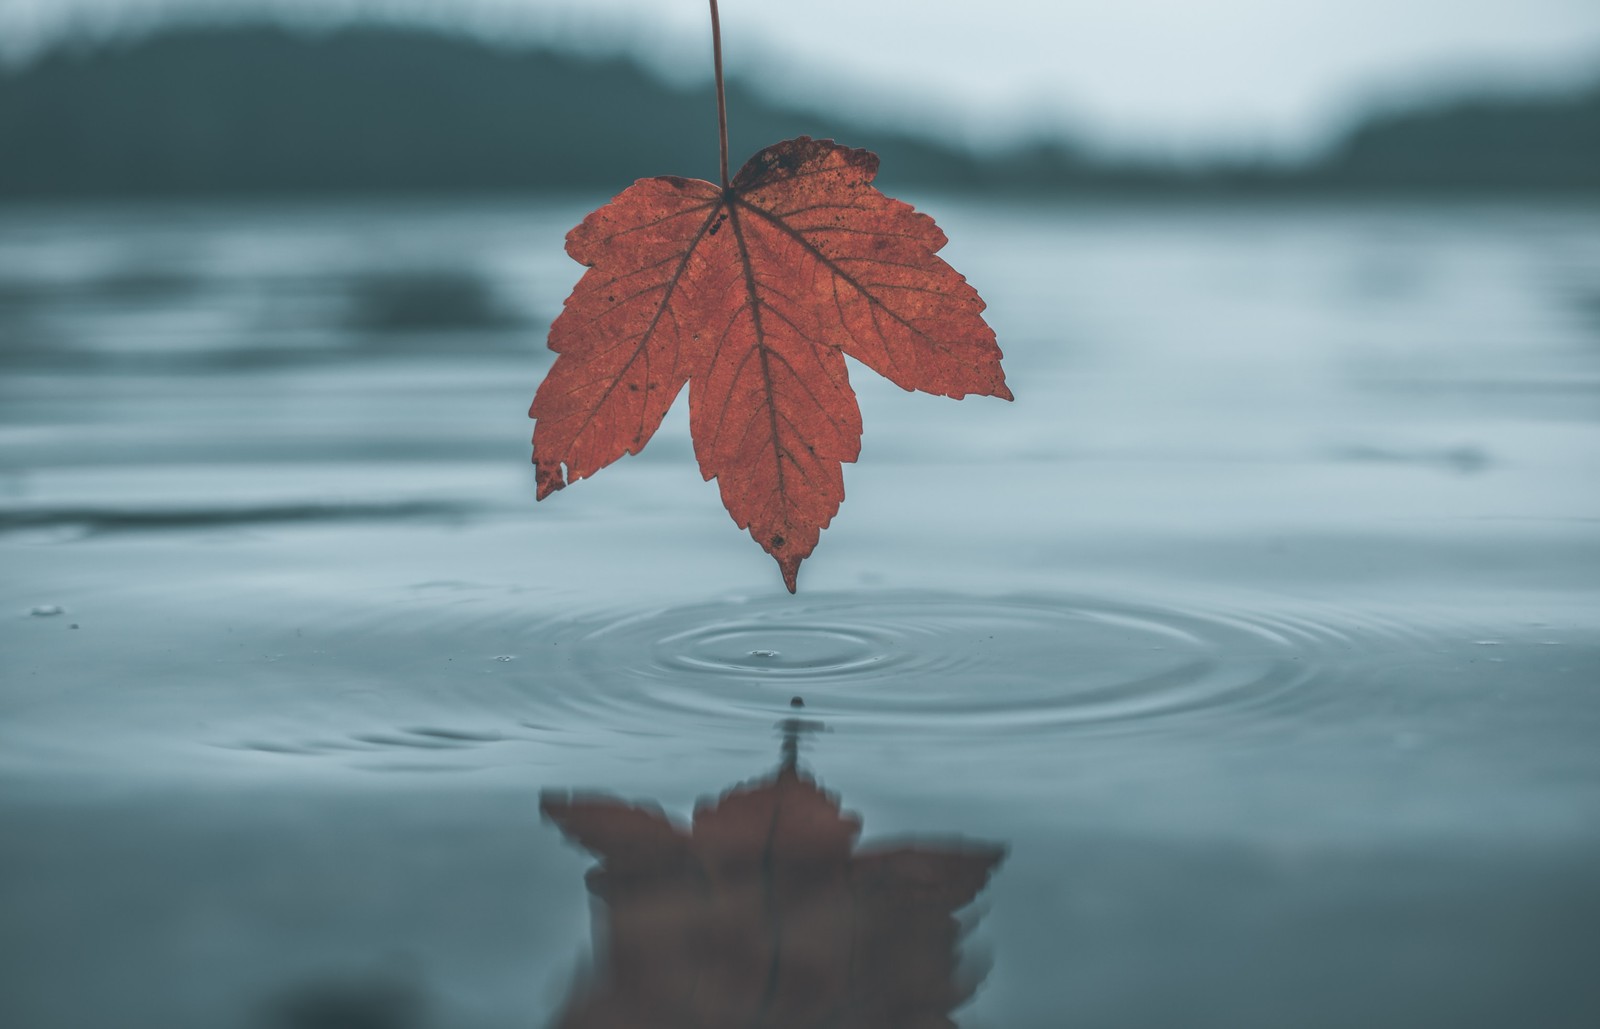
264,110
268,110
1480,143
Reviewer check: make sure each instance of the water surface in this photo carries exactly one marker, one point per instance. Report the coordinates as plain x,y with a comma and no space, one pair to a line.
1249,660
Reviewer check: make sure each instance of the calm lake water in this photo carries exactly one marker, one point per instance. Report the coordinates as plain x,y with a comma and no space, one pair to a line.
1245,671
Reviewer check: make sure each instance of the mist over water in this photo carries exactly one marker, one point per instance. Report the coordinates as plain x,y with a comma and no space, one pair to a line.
1259,634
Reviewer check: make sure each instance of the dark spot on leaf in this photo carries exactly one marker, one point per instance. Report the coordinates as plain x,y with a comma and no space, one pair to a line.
777,541
722,216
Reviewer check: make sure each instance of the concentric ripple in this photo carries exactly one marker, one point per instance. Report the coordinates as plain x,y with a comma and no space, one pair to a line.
923,663
805,650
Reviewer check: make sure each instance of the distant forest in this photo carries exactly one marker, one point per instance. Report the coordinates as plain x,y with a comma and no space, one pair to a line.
229,111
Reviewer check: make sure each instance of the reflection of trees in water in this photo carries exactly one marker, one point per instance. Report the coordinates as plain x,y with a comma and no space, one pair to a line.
764,912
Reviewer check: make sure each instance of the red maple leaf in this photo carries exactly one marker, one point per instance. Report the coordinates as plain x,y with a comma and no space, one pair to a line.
752,292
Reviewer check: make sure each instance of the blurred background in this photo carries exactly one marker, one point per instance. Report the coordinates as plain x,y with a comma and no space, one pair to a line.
1252,651
140,98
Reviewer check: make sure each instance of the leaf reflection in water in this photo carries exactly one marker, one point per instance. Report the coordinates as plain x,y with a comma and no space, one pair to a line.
764,912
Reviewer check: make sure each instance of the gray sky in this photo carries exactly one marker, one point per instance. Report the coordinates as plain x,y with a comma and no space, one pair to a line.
1164,75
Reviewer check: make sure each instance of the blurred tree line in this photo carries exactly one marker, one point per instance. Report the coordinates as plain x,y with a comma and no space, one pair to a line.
266,110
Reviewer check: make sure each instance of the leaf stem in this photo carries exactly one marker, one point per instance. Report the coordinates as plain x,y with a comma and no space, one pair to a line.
722,98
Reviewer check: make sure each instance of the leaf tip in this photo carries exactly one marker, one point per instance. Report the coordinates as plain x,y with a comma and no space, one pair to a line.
790,567
549,477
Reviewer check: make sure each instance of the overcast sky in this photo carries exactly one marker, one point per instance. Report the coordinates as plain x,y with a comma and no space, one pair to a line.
1172,75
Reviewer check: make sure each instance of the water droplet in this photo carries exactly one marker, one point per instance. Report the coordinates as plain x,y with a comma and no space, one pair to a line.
47,610
505,657
764,653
